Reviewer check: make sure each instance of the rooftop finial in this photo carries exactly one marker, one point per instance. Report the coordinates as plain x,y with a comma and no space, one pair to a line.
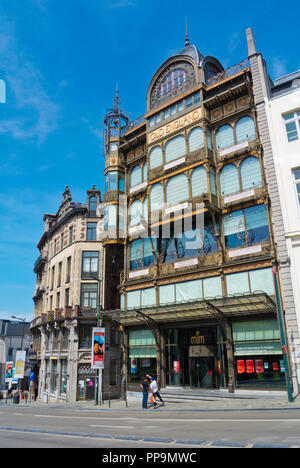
187,42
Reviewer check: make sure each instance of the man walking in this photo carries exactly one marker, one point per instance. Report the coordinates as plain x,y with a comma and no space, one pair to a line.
145,386
155,392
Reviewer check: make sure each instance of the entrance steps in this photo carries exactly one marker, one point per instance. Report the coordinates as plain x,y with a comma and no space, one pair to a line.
186,395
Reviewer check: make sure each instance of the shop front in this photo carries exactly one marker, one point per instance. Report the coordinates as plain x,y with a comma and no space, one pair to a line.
86,382
258,355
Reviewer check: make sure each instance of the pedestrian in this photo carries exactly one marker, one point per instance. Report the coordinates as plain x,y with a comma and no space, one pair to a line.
155,392
145,386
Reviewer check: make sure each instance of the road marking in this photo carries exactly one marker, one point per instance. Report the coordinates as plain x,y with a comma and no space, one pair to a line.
166,420
115,427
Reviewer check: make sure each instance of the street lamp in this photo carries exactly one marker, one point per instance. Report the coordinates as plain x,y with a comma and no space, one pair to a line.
99,323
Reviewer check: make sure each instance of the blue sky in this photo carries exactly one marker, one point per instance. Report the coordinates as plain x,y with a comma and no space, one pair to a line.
61,60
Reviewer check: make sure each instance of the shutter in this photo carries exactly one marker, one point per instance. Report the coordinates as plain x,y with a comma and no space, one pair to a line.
156,197
155,157
135,213
175,148
177,189
136,176
250,173
245,129
196,139
229,180
224,137
199,181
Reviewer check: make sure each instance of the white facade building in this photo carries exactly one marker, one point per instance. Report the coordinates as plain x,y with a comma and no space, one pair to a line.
283,113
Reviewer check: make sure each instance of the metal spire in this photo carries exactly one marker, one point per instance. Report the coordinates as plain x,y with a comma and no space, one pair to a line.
187,42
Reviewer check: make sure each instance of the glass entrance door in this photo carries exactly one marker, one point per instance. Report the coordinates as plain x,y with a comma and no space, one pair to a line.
202,372
86,388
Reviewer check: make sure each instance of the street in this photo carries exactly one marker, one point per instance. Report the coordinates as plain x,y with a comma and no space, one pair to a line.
99,428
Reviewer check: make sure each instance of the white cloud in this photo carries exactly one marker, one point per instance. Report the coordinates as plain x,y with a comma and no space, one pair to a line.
36,113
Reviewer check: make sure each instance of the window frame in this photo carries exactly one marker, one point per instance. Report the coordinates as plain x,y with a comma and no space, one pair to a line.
295,118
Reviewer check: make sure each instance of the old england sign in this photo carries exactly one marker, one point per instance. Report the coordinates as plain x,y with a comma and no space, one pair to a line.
175,125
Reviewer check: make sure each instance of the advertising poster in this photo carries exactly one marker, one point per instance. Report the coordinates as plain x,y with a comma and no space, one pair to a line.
98,343
20,364
176,366
8,371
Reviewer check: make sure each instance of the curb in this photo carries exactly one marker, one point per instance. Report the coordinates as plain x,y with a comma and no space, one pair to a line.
202,443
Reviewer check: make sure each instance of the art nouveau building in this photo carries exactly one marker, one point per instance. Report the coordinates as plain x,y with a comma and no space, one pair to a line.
68,272
187,205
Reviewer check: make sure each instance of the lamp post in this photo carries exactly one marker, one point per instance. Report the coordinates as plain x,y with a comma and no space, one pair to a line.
99,323
22,338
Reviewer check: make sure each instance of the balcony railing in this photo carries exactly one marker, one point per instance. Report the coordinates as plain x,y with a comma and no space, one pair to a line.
231,71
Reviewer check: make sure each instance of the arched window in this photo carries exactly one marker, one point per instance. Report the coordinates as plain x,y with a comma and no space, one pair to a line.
196,139
92,206
224,137
155,157
177,189
199,181
229,180
172,80
156,197
135,212
245,129
136,176
250,173
175,148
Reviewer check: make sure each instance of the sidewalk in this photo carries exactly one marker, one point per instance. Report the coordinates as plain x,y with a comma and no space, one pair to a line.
245,401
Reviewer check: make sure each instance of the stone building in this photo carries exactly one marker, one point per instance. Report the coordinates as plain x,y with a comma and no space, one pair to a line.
278,104
188,205
68,290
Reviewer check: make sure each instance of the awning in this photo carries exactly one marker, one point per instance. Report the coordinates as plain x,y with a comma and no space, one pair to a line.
218,308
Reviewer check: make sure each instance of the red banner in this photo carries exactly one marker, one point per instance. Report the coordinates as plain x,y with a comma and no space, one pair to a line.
259,367
240,366
250,366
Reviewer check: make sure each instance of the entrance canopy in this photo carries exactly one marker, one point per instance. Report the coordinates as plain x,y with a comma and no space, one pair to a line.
219,308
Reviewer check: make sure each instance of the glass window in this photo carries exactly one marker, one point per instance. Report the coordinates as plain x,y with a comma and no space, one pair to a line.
151,122
292,126
199,181
156,197
121,182
245,129
234,229
133,299
172,81
90,262
297,183
257,224
175,148
166,113
155,157
177,189
229,180
189,101
180,106
113,147
113,180
196,139
71,231
224,137
145,172
92,206
250,173
173,110
91,231
141,255
136,176
135,212
89,295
